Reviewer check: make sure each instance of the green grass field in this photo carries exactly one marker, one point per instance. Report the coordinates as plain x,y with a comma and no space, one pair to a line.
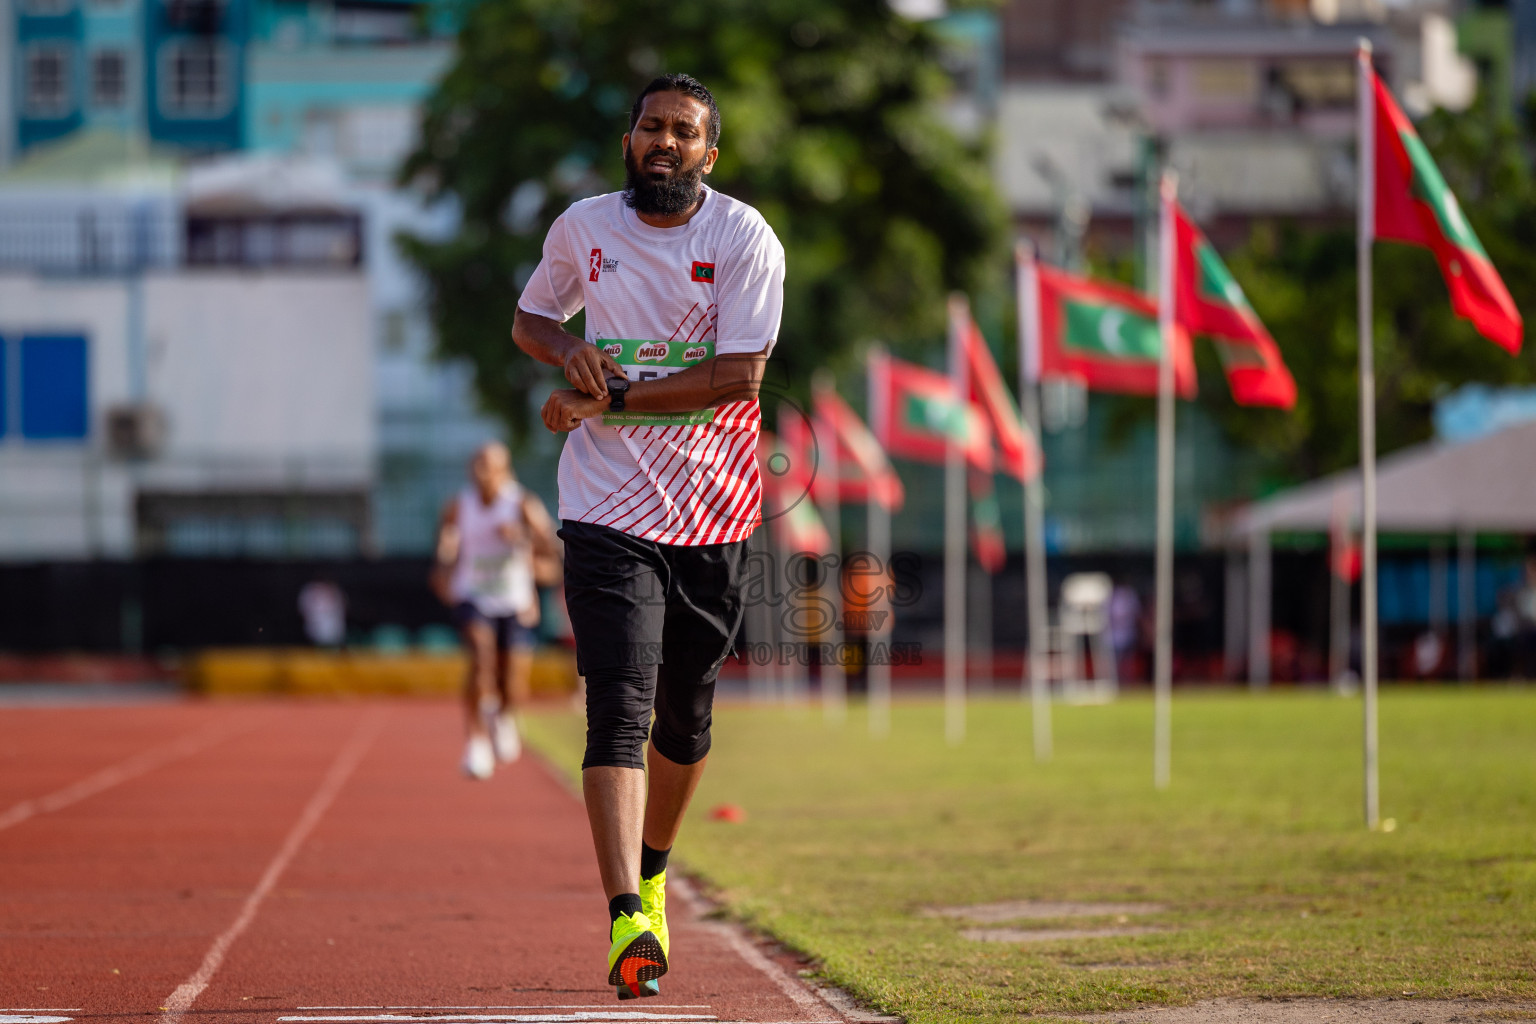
1272,885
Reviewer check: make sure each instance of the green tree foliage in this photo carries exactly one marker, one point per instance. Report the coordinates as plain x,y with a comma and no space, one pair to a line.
830,128
1302,283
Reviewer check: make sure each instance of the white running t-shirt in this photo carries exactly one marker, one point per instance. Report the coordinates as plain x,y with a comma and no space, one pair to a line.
494,576
660,300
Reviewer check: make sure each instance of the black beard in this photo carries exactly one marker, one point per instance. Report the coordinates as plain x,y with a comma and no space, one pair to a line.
666,196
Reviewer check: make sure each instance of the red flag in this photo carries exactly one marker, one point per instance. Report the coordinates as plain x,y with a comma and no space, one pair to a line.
1018,452
1104,335
1412,204
986,523
864,472
1208,301
917,415
1343,547
787,499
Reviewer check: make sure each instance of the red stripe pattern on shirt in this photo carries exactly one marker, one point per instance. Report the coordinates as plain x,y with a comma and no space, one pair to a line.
696,484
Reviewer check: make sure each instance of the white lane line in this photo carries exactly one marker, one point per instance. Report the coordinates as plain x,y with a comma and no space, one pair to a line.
809,1003
31,1018
131,768
181,1000
518,1006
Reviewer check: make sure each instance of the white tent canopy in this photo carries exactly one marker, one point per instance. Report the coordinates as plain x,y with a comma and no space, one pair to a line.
1487,485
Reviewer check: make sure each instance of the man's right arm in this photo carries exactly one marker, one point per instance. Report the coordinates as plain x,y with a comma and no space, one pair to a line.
447,551
585,365
554,291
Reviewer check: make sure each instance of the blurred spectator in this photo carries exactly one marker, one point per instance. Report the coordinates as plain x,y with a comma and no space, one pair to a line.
1125,630
1525,604
1504,631
1429,651
324,609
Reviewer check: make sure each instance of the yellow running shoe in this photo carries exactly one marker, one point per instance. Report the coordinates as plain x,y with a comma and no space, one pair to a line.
636,958
653,904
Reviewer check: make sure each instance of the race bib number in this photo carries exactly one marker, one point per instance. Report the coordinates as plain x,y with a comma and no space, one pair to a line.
652,360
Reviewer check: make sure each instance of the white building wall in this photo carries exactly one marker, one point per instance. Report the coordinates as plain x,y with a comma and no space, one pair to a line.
262,367
266,380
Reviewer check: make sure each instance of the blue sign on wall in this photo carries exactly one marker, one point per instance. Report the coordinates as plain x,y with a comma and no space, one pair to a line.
55,387
5,411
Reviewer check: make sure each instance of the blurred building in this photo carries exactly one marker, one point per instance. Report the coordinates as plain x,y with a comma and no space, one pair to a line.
186,362
1252,101
252,96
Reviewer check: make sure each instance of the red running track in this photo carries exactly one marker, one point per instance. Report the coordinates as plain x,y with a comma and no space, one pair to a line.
298,863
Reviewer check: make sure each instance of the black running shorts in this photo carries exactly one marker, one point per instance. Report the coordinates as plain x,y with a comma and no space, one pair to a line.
653,624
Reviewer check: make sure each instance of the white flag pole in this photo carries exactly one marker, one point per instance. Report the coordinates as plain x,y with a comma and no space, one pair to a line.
954,532
877,667
1163,651
1363,238
828,485
1034,504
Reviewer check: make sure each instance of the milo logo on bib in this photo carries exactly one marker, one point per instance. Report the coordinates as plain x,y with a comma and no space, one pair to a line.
643,352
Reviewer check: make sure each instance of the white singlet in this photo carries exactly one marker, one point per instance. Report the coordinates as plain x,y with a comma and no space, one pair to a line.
494,576
660,300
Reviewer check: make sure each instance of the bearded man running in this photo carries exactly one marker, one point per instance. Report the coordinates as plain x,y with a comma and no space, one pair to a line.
659,488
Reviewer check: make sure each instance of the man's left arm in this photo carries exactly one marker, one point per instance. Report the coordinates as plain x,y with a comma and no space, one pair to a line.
749,306
724,378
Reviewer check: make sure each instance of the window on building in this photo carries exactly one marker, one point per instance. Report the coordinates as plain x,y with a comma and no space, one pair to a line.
318,239
54,387
109,78
361,21
194,78
195,15
46,84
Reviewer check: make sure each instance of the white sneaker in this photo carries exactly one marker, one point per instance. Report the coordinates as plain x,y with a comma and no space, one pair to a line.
479,758
505,739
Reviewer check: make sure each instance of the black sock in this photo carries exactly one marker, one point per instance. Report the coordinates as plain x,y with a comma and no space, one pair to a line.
652,862
623,903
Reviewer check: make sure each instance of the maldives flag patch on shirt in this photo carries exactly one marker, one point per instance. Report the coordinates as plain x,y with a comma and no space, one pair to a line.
703,273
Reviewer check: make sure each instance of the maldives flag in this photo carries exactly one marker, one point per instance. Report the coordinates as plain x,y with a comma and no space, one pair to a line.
864,474
1018,453
1104,335
787,499
916,414
1412,204
986,523
1208,301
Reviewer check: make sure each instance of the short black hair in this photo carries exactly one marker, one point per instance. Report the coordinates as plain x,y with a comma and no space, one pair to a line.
687,85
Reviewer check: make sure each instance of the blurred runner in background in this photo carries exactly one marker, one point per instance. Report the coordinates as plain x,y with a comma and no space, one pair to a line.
489,541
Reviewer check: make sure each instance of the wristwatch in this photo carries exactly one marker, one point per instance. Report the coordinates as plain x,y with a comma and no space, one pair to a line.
618,387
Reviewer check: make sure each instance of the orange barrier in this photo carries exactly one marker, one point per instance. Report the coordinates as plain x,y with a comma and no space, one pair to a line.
307,672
